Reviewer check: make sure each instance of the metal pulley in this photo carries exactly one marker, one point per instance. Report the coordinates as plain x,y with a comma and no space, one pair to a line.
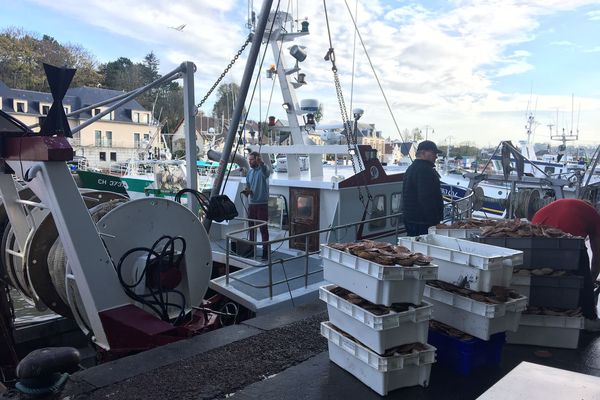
477,199
527,202
37,271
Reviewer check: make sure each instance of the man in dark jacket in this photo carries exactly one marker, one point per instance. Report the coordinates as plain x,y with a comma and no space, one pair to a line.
421,194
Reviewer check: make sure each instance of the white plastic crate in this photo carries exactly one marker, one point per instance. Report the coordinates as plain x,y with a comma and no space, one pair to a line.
547,330
378,332
462,233
482,266
521,284
463,251
382,374
474,317
379,284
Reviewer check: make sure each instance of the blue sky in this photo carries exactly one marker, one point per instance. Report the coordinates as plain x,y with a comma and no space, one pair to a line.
470,69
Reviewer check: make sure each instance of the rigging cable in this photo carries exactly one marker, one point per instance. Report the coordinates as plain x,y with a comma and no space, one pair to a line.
277,63
350,137
353,57
375,73
251,97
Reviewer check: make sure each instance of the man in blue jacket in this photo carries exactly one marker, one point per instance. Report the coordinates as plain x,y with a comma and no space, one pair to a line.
257,190
421,194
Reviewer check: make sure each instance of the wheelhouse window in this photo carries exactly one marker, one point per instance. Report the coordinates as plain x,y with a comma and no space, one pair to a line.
395,207
304,207
378,209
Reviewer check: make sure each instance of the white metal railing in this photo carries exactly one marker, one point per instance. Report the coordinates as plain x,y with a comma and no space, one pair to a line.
304,255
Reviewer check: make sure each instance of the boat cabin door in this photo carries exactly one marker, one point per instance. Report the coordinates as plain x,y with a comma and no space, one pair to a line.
304,217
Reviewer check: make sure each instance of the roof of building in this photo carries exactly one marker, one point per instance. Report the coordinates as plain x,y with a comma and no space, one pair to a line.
76,98
406,147
86,96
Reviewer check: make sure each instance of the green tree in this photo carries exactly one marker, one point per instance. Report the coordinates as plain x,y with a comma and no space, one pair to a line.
319,113
416,135
169,106
227,95
166,101
118,75
22,55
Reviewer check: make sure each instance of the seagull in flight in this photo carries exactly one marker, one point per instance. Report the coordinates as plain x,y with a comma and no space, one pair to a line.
178,28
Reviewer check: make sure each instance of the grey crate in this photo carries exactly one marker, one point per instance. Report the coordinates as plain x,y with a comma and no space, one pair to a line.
542,252
555,291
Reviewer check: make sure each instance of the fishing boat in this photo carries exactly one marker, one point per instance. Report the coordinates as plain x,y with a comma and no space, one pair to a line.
516,183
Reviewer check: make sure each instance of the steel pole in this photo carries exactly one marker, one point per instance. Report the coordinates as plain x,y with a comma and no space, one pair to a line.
189,117
239,104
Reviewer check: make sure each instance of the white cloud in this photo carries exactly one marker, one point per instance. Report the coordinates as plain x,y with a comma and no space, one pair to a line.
593,15
565,43
436,66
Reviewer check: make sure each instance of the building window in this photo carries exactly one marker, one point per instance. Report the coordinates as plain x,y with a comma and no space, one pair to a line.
21,106
140,117
102,156
377,210
98,136
146,139
113,156
109,116
136,140
108,139
44,108
67,109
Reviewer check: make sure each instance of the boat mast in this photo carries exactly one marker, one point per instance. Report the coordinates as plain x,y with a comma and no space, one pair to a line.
239,105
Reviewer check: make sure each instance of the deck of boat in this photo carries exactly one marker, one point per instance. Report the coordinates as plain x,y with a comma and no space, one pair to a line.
249,286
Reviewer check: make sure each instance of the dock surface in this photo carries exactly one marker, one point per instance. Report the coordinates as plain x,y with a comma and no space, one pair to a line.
283,356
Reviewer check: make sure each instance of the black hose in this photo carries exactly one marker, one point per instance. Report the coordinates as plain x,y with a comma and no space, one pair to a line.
158,298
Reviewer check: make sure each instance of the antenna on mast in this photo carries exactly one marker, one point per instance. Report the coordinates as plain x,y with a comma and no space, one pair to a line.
572,111
578,115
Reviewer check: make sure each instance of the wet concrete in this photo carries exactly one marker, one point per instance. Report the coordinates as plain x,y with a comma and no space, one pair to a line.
211,365
320,379
283,356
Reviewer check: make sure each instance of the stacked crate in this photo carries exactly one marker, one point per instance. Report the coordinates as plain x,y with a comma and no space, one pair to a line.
378,321
479,268
549,279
